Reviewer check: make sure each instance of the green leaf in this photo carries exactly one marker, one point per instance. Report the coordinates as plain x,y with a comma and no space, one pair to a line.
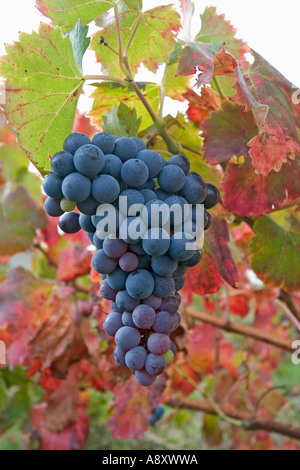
276,255
42,89
151,45
122,121
20,216
79,41
287,374
65,13
107,95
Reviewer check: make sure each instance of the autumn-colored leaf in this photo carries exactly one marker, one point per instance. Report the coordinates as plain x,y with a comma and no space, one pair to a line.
202,350
73,437
133,406
216,29
73,262
216,244
204,278
152,43
226,133
42,89
200,106
258,194
276,254
83,124
58,341
24,307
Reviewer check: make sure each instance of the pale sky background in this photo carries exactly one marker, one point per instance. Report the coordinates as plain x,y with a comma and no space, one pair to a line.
271,27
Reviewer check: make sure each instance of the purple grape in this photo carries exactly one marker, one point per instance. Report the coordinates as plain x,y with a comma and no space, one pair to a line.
170,304
158,343
152,301
128,338
119,356
143,378
173,348
114,247
155,365
127,319
163,323
124,302
107,292
112,323
129,262
135,358
144,316
103,263
176,321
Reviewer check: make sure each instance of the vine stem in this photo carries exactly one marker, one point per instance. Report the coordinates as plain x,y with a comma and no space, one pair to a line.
118,30
219,89
105,78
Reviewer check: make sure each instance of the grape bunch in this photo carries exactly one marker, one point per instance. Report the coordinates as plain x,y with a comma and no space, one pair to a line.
141,214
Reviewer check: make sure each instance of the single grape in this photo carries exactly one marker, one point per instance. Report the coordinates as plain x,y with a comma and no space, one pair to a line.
105,142
179,209
143,316
193,261
66,205
62,164
148,195
125,148
143,378
112,166
135,358
114,247
86,224
207,220
117,279
119,356
182,161
163,323
76,187
107,292
89,160
133,197
152,301
137,248
140,284
115,308
164,265
125,302
103,263
127,338
112,323
155,365
152,160
176,321
97,242
89,206
179,282
69,222
105,189
74,141
155,213
129,262
52,186
127,319
182,246
158,343
213,196
156,242
169,357
134,172
171,179
195,189
173,348
163,286
170,304
52,207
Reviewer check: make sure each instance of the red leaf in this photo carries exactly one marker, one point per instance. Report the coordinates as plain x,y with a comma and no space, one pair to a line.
202,350
72,437
216,243
73,262
226,133
204,278
133,406
83,124
201,106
